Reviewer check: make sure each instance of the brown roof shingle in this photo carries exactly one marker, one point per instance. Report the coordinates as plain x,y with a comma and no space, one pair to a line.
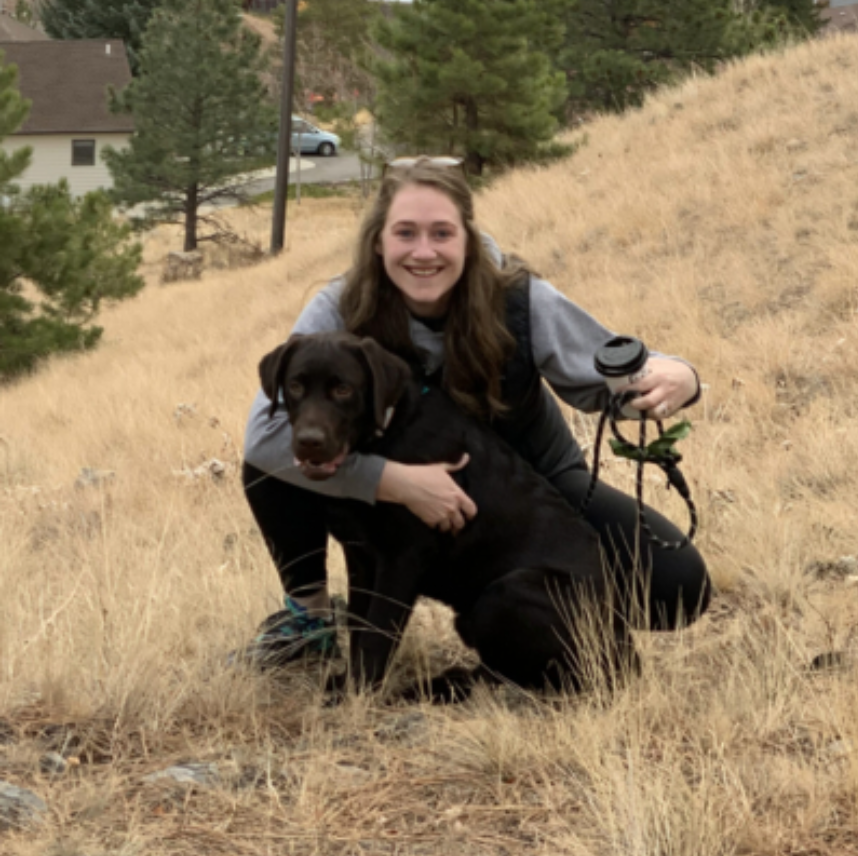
14,31
67,82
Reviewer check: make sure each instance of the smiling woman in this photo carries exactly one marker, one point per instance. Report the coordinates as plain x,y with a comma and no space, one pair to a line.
423,249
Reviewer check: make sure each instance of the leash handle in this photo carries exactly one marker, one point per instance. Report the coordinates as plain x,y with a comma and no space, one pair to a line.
666,461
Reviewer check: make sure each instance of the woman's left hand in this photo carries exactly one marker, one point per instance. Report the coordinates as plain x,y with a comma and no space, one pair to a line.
667,387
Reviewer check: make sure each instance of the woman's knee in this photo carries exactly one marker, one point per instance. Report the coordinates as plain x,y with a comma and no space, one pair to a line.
293,522
671,588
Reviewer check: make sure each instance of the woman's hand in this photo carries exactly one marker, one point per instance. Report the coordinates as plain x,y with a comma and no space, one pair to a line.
667,387
428,491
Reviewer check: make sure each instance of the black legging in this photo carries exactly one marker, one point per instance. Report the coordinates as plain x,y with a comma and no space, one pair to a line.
673,589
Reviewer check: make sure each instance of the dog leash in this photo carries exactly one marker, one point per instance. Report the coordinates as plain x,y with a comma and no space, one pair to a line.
660,452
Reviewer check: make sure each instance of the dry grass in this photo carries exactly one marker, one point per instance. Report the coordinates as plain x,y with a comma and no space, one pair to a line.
720,222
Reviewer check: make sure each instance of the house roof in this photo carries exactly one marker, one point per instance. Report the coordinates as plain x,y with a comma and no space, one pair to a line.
14,31
67,83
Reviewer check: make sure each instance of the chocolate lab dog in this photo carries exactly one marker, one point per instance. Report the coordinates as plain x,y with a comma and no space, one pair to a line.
525,577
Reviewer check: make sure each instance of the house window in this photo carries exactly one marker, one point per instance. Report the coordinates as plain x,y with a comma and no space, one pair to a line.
83,153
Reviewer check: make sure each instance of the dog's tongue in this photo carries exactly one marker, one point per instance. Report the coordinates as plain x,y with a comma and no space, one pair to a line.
326,467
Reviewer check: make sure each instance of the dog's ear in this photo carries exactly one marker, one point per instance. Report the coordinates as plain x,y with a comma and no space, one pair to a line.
273,367
389,375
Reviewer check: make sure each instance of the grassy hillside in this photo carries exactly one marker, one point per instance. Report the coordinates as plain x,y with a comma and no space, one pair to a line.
719,222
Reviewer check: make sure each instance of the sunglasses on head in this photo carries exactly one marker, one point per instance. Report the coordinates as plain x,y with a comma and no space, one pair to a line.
442,161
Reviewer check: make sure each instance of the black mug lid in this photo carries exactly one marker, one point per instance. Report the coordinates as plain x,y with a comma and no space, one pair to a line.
623,355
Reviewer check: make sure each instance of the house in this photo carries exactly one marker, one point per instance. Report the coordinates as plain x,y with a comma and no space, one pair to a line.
69,121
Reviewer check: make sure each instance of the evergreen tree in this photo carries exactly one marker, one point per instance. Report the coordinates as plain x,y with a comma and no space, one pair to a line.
802,17
23,12
618,50
470,77
60,257
100,19
201,112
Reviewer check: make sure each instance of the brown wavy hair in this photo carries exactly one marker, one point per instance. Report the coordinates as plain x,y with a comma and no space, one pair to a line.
476,340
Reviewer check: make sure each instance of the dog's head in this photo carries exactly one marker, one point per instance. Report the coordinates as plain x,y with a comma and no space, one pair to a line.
338,390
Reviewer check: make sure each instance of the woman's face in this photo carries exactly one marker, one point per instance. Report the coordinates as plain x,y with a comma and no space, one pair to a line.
423,246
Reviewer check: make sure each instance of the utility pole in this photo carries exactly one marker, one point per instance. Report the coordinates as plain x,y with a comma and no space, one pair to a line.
284,141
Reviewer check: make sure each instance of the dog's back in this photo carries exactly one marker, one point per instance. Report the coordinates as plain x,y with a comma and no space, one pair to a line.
522,521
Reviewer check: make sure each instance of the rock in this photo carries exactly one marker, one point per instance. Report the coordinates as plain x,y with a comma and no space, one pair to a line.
842,569
89,477
193,773
211,469
19,807
179,266
839,749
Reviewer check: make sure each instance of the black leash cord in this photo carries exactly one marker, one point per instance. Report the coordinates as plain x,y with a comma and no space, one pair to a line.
668,463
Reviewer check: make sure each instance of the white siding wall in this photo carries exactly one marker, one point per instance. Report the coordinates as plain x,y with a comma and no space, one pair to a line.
52,157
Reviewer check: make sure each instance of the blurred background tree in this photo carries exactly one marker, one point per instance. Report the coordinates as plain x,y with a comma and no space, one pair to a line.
60,256
100,19
202,113
471,78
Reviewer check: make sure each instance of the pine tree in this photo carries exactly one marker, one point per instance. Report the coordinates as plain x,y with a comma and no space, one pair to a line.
201,112
803,17
470,77
23,12
618,50
100,19
60,257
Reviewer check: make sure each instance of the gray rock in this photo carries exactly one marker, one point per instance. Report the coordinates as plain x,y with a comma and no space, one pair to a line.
90,477
19,807
841,569
839,749
180,266
193,773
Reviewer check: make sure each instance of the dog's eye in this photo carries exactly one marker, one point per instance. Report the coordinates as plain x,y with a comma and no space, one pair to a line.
343,391
295,388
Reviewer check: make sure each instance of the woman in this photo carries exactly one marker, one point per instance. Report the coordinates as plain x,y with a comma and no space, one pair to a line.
430,287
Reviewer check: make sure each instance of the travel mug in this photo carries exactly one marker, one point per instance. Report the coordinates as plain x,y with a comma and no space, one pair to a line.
622,361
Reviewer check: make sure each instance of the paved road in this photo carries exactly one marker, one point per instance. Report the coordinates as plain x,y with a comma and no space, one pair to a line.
314,170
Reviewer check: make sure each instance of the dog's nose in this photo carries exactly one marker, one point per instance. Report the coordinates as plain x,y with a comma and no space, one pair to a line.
310,439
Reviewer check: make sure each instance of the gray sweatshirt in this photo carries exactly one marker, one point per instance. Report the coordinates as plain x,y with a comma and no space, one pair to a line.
564,339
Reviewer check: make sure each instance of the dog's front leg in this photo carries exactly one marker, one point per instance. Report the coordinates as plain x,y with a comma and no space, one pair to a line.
373,642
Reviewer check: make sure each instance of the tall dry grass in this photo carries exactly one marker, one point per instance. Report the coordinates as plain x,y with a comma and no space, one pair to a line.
719,222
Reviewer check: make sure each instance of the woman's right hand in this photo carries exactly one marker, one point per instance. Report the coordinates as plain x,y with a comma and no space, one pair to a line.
428,491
